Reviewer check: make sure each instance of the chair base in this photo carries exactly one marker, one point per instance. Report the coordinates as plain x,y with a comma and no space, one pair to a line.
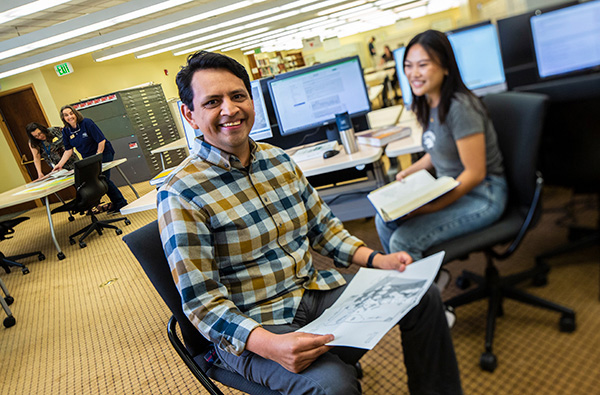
7,261
97,226
495,288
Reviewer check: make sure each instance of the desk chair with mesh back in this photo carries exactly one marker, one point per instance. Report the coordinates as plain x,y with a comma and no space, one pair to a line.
7,228
518,120
91,186
146,245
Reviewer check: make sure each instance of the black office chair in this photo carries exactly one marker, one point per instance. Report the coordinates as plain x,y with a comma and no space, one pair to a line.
517,118
5,302
91,186
146,245
6,229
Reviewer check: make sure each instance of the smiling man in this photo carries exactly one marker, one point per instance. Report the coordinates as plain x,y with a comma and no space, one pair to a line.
238,220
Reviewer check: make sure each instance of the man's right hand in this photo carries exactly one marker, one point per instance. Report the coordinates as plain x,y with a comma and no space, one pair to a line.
294,351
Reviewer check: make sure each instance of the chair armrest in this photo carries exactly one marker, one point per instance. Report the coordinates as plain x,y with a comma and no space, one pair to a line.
188,360
533,207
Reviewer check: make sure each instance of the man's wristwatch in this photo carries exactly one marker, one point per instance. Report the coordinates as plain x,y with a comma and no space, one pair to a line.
371,257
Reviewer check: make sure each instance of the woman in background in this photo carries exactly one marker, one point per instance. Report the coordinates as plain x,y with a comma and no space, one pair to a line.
459,140
46,143
83,134
387,55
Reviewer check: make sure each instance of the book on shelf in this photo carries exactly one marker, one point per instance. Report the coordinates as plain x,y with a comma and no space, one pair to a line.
399,198
315,151
379,137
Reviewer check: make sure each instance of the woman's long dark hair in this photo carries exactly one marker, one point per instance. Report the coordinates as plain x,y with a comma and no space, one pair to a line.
30,128
438,48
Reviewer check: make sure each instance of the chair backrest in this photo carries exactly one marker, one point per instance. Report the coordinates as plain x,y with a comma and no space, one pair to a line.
147,247
89,183
518,119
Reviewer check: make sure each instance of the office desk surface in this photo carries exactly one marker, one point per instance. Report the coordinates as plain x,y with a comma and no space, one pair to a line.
177,144
365,155
410,144
17,195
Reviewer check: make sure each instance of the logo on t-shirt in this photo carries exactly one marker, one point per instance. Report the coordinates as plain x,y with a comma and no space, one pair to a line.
428,139
84,135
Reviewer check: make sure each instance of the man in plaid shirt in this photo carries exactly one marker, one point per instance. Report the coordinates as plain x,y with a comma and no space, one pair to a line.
237,219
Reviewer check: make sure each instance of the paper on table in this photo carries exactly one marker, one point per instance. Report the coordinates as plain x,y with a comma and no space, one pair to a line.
373,302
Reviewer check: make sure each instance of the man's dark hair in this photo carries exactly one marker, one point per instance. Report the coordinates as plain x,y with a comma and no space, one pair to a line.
203,60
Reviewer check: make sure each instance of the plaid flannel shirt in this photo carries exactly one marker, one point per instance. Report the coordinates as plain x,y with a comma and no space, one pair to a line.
237,240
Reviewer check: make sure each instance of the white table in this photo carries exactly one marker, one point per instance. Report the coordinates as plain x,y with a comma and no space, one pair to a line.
408,145
177,144
19,195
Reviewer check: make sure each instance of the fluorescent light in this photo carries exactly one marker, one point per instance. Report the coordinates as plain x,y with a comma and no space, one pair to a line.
90,28
324,4
162,28
341,7
28,9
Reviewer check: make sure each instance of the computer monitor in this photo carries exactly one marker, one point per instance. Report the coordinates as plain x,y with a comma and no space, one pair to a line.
404,84
567,40
190,132
516,46
477,53
261,129
308,98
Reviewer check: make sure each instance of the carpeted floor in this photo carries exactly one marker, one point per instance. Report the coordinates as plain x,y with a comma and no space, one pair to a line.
93,324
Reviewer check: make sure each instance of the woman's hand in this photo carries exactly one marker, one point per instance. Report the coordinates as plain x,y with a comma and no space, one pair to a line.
57,168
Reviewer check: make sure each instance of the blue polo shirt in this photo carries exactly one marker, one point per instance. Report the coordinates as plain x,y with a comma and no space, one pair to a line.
85,138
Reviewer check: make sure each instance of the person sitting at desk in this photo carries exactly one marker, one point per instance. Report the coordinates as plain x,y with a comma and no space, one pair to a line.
47,143
459,141
237,220
387,55
83,134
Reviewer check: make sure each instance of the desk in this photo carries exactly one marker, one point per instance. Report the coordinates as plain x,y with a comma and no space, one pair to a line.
348,201
408,145
177,144
17,196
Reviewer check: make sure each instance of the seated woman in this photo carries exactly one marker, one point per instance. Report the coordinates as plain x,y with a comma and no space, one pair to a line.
46,143
459,140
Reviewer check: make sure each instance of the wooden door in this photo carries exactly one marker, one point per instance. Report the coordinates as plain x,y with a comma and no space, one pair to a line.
19,107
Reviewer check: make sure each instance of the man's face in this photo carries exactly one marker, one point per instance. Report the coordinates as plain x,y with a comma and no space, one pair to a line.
223,110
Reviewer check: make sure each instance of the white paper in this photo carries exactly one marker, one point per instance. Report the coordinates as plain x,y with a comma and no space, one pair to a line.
373,302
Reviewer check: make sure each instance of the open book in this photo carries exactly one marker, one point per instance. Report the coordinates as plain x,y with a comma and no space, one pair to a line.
399,198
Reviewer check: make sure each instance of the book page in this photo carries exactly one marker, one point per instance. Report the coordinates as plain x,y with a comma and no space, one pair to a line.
374,302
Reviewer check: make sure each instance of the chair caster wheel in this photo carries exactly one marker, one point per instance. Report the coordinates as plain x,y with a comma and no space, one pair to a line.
61,256
540,280
118,231
127,222
71,218
463,282
41,257
488,361
25,271
9,321
359,370
567,323
71,241
9,300
82,244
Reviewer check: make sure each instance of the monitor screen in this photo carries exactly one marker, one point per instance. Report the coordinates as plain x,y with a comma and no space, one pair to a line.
262,127
190,132
567,40
307,98
404,85
477,52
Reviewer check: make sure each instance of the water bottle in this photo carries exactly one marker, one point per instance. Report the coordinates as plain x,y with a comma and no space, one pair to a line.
346,130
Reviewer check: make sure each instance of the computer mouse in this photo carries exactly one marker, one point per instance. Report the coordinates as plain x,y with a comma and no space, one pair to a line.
330,153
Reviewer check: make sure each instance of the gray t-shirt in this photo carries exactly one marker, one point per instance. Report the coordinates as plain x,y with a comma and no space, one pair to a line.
463,120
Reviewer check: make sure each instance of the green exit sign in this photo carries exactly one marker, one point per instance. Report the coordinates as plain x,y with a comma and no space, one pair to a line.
63,69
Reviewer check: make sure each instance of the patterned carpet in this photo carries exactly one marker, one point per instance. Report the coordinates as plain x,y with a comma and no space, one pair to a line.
93,324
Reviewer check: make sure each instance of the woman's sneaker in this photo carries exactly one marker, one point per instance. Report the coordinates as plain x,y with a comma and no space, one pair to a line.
450,316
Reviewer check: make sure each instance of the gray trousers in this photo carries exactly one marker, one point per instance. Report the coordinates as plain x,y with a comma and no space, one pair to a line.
429,356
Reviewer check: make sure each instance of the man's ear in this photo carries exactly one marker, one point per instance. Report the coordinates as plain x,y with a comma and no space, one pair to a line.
187,114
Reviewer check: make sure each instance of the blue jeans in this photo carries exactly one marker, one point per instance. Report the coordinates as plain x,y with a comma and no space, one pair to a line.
113,193
429,356
477,209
